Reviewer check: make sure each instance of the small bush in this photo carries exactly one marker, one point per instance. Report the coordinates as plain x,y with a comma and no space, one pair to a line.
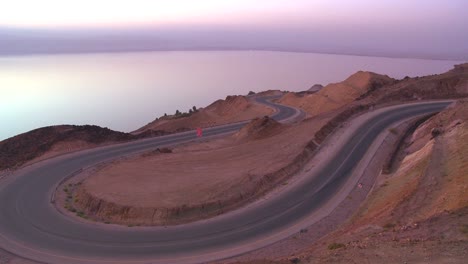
393,131
389,225
295,260
464,229
335,245
81,214
436,132
165,150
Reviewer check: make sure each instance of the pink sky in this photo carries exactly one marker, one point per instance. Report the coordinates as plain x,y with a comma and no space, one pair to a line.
59,13
416,28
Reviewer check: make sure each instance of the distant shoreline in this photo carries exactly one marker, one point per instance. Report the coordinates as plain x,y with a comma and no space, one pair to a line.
97,51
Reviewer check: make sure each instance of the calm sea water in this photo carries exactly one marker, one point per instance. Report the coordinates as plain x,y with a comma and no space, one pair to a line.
124,91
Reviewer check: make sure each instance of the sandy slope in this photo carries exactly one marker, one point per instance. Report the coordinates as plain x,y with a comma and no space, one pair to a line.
232,109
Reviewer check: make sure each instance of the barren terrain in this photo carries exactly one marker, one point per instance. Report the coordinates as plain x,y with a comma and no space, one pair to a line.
43,143
232,109
416,212
205,179
48,142
196,180
336,95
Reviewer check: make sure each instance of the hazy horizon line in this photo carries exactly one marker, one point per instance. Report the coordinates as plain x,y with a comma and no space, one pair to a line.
228,49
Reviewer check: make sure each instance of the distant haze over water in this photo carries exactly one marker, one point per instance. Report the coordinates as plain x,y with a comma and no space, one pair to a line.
124,91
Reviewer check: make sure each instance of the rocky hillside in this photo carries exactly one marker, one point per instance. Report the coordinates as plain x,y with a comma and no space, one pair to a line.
419,212
22,148
452,84
232,109
432,178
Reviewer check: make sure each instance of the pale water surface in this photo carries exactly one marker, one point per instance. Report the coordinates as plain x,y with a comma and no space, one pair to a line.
124,91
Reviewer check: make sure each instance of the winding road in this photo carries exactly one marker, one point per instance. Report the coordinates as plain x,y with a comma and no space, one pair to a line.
31,227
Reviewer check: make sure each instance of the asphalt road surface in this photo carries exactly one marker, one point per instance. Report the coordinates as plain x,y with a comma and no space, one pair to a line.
31,227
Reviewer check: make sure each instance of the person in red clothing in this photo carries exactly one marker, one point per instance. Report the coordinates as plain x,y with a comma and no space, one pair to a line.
199,132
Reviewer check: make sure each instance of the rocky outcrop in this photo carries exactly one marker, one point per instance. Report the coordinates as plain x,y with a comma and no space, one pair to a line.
452,84
259,128
111,212
315,88
398,148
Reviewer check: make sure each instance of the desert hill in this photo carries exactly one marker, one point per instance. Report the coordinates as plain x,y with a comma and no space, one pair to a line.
55,140
336,95
230,110
46,142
